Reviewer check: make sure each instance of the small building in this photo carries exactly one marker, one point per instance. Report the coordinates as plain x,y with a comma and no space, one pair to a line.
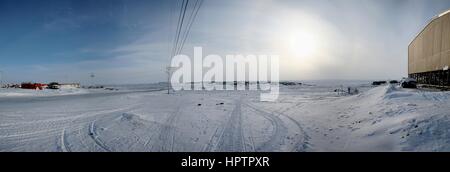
55,85
34,86
69,85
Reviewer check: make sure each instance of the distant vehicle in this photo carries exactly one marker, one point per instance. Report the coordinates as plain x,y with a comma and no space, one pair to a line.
393,82
53,85
94,87
378,82
408,83
290,83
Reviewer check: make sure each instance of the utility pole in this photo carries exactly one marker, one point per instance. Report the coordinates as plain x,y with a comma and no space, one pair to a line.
92,75
1,78
169,71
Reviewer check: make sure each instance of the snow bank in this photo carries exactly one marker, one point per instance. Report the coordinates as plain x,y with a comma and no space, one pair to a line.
396,119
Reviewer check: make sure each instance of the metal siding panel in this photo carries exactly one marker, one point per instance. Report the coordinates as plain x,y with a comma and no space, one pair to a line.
428,47
415,57
410,57
430,50
445,42
437,37
420,57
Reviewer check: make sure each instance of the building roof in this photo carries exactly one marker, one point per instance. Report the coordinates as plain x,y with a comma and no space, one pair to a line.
444,13
429,22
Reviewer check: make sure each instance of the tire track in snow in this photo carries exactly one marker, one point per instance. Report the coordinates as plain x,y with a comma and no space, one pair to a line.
64,146
278,134
89,123
94,136
213,140
216,136
167,132
62,127
232,138
302,144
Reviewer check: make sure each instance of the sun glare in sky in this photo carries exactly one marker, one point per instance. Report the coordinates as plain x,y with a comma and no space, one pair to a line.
302,41
303,44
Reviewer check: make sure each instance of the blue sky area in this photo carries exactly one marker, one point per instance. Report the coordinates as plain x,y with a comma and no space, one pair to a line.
129,41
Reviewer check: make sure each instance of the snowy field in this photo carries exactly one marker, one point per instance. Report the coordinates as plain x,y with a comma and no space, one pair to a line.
311,117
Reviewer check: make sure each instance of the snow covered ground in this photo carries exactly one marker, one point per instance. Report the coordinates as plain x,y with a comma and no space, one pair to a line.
46,92
311,117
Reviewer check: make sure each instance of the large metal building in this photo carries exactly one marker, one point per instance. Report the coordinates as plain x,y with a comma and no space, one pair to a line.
429,53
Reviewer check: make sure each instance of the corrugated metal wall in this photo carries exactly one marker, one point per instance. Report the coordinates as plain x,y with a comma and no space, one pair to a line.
430,50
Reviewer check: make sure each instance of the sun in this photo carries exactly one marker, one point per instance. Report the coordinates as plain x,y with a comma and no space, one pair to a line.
303,44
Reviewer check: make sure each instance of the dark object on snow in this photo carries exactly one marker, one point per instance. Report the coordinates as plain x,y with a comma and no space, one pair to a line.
94,87
378,82
290,83
199,104
219,104
393,82
11,86
53,85
409,83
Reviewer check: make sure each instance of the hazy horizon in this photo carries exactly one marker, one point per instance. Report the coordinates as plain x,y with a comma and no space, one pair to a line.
124,42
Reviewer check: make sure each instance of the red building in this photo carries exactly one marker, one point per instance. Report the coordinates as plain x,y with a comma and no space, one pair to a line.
33,86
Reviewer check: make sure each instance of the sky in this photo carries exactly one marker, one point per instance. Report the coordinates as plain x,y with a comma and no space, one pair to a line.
130,41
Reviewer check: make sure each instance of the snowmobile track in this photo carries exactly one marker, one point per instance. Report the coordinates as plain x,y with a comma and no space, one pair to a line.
92,133
64,146
279,130
167,132
232,138
213,140
302,144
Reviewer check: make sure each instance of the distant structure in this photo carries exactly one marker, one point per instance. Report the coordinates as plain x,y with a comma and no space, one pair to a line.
34,86
92,76
429,53
69,85
55,85
1,78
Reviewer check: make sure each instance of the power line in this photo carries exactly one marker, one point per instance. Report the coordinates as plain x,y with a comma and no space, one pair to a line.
177,30
180,35
1,78
191,20
182,32
171,24
184,28
180,25
176,38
